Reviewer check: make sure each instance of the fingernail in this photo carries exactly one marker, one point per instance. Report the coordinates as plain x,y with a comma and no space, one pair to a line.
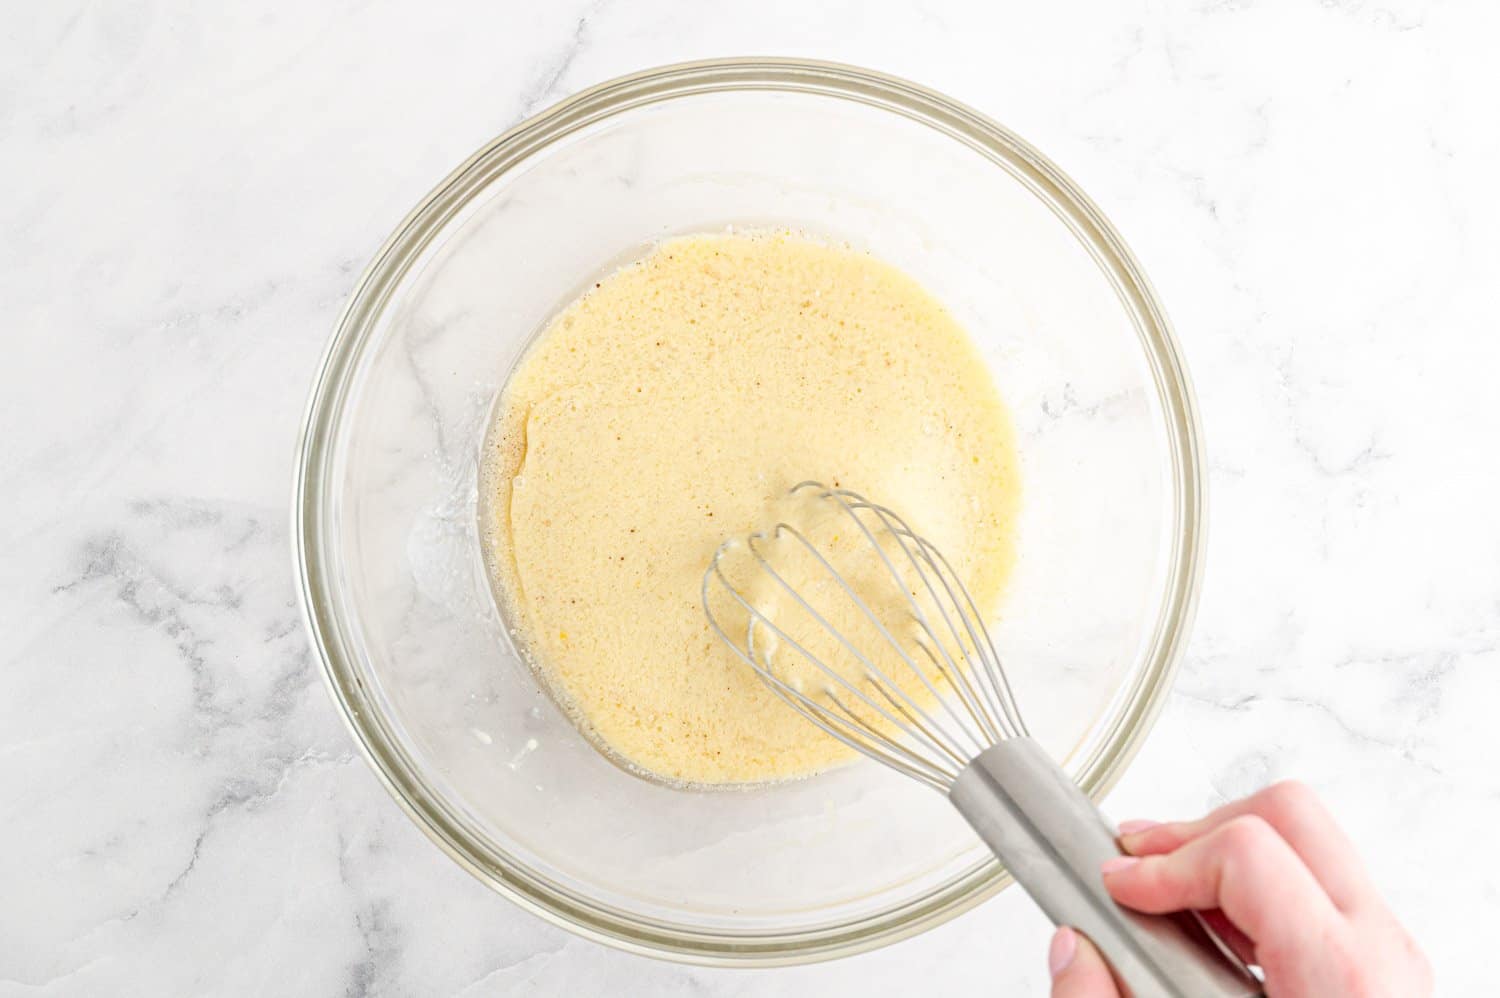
1118,863
1136,826
1060,953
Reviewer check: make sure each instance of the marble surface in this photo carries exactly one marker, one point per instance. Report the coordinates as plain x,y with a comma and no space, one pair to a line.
191,191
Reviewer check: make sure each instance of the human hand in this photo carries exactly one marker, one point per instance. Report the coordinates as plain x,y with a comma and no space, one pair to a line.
1278,880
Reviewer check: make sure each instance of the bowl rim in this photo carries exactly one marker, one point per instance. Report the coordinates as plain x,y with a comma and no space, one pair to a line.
1132,710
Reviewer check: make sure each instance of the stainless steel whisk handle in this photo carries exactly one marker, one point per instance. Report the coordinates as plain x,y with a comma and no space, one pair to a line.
1053,840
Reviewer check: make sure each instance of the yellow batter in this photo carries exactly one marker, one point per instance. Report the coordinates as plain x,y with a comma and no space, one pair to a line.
672,406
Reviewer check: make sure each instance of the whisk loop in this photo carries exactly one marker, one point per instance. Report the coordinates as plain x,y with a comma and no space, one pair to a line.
881,710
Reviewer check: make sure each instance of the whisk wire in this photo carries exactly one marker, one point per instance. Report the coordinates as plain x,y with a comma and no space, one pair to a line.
974,701
958,685
762,663
872,713
1005,716
974,679
852,501
899,757
993,681
958,751
935,740
993,673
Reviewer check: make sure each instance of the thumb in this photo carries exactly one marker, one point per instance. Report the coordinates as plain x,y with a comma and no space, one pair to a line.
1078,971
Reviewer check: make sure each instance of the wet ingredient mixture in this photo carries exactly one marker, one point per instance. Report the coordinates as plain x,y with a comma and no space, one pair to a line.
674,404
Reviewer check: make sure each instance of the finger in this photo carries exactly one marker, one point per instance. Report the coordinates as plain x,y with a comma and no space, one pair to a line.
1078,971
1243,867
1296,814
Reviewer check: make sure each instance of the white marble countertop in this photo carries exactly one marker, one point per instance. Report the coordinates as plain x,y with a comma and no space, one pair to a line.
190,191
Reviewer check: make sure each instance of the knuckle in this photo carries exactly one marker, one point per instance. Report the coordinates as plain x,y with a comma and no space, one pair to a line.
1354,975
1357,982
1247,835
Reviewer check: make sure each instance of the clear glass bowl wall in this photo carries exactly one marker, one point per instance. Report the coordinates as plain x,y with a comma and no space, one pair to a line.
421,662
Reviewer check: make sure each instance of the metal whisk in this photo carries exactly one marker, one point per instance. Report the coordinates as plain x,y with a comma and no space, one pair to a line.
922,690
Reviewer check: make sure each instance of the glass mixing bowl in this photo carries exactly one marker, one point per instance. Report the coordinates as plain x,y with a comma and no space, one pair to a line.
420,661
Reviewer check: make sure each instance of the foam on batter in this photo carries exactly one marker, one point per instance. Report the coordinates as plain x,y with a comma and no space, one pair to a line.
673,405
